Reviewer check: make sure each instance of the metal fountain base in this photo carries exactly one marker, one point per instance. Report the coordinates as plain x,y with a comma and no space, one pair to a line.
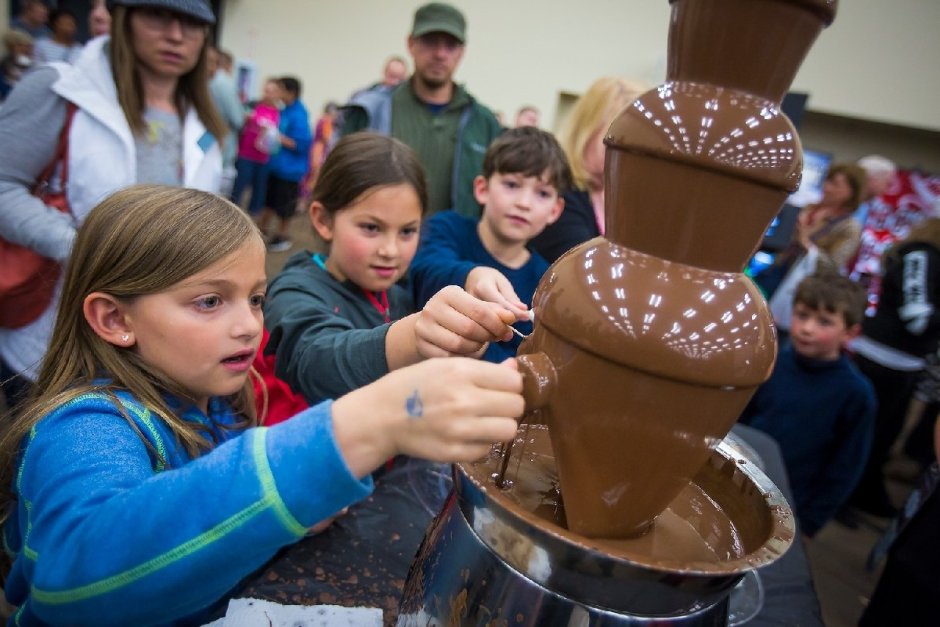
485,562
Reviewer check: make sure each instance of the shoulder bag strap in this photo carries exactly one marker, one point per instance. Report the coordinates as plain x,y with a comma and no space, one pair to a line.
61,154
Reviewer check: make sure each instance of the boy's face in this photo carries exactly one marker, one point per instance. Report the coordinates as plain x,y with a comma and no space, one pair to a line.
516,208
819,334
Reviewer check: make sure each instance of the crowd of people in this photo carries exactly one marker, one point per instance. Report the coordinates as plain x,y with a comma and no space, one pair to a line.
165,371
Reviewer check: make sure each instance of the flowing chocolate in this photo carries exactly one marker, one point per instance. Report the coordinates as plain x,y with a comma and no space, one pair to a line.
648,344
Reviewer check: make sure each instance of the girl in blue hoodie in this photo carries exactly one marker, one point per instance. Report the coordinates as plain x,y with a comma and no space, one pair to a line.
138,488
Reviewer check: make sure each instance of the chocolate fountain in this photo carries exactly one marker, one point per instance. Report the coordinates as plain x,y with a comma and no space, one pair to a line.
619,504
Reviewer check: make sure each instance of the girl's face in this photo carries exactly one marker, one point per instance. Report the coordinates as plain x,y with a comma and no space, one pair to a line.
836,190
271,92
167,44
203,332
373,240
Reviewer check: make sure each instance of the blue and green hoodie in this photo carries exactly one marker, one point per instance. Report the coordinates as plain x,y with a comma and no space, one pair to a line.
110,531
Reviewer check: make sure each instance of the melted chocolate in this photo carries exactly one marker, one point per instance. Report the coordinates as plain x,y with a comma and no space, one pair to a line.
694,529
650,343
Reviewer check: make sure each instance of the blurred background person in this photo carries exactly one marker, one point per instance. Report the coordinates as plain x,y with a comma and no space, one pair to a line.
99,19
62,45
893,350
527,116
18,57
225,95
395,71
879,173
258,141
582,138
33,19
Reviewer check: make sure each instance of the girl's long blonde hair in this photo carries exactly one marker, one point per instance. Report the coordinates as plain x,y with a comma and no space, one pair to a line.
604,99
141,240
192,89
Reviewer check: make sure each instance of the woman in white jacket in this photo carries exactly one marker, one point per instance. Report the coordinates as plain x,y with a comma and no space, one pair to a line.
143,115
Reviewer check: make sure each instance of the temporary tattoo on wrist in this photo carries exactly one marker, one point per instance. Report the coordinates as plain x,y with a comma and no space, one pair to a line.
414,406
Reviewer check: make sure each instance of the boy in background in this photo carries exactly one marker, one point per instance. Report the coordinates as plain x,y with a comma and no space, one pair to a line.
525,172
817,404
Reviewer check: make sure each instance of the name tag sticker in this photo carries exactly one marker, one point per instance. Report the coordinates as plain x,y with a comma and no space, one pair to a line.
205,142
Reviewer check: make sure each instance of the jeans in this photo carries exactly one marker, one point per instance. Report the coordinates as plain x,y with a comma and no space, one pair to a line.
250,174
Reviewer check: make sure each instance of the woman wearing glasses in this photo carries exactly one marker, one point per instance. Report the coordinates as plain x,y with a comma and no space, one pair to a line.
142,114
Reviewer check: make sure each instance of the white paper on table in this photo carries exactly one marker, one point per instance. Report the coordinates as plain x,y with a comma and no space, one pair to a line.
259,613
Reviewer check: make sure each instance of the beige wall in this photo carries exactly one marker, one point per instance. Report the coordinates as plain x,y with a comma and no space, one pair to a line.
876,62
4,14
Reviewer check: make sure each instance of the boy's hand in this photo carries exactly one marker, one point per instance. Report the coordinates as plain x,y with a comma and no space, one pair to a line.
455,323
443,410
491,285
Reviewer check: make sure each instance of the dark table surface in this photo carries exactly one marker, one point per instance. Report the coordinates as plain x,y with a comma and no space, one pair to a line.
363,558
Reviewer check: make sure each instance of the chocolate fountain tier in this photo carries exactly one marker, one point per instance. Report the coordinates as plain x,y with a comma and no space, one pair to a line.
682,322
639,365
528,569
695,173
755,45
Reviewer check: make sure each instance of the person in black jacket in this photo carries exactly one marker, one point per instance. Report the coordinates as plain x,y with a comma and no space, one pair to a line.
894,345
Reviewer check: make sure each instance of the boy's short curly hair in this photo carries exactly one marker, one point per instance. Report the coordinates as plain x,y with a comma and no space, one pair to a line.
827,290
531,152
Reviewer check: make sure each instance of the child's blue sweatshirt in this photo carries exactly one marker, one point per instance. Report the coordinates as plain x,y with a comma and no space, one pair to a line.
450,248
106,534
822,415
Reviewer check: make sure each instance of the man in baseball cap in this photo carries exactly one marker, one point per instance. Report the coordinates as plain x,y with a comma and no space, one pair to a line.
431,113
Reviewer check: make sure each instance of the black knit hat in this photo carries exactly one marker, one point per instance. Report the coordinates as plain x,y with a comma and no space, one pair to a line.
198,9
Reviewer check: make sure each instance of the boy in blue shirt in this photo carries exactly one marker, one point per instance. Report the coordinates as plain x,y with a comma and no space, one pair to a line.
817,404
525,173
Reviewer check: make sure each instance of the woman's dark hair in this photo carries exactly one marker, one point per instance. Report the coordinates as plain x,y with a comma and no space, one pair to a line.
363,161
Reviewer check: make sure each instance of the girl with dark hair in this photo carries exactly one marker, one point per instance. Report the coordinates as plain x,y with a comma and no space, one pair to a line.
340,320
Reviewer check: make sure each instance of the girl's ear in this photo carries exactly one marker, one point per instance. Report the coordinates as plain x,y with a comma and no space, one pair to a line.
107,318
321,220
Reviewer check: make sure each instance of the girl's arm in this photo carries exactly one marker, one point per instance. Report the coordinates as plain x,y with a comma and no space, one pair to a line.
30,122
320,353
110,541
442,410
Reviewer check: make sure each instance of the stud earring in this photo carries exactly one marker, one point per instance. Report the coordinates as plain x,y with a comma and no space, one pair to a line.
125,337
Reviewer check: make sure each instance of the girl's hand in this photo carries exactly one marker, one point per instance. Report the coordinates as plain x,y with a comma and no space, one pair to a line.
455,323
444,410
324,524
491,285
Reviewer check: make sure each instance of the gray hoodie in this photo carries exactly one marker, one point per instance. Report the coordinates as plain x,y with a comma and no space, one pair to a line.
327,336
